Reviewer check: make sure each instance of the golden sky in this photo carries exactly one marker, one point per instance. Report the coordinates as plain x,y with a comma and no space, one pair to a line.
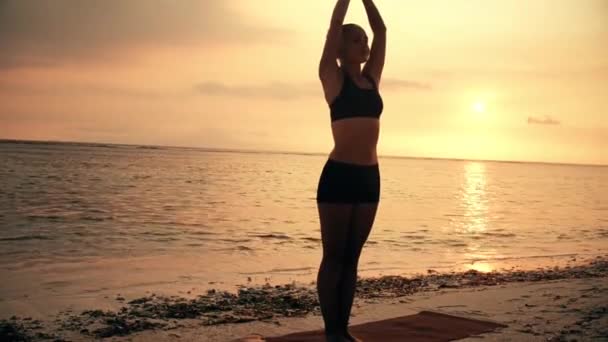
480,79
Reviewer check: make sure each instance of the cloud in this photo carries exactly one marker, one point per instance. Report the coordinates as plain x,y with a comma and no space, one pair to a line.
84,89
392,83
287,91
272,90
277,90
544,121
592,71
52,32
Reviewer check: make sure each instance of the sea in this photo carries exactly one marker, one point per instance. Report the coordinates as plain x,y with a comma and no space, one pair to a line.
86,219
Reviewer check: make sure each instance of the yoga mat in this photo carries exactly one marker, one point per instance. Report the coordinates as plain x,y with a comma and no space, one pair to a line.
425,326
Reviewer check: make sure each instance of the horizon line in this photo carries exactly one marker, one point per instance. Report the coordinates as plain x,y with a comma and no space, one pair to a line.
240,150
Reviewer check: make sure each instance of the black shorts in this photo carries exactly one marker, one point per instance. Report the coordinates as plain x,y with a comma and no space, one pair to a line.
343,182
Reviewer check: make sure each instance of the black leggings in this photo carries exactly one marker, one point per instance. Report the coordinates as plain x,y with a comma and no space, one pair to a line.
343,182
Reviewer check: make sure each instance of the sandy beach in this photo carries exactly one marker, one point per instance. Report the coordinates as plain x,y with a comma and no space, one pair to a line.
556,304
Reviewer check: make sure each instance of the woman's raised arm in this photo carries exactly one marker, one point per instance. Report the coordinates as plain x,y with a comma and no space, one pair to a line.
375,63
328,65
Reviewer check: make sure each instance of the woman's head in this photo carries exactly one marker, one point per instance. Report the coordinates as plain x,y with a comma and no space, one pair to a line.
353,47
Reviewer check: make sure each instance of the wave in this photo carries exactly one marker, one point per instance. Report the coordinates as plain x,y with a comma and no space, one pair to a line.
26,237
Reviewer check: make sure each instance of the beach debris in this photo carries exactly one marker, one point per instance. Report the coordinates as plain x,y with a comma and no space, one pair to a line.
268,303
214,307
396,286
25,329
102,324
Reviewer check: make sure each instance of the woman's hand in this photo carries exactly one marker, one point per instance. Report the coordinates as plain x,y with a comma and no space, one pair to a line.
373,15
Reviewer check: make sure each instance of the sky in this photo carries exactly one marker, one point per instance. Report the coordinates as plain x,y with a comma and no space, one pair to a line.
473,79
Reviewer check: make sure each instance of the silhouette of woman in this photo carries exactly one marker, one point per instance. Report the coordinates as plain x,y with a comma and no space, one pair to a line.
349,185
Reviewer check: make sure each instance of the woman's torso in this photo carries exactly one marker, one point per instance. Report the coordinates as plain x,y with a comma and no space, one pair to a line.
355,112
355,140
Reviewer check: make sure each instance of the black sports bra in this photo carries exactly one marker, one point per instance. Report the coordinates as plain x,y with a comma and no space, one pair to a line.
356,102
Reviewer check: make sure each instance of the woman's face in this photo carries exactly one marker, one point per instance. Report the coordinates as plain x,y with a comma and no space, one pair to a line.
355,48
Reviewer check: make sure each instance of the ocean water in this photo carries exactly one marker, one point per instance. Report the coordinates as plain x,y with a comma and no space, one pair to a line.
81,217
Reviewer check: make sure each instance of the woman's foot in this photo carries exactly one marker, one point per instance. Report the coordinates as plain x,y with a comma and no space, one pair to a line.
350,338
335,338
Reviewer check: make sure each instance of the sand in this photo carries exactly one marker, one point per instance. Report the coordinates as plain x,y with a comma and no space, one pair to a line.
533,311
573,307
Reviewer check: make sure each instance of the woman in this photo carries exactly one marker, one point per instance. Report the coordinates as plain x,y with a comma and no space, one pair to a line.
349,186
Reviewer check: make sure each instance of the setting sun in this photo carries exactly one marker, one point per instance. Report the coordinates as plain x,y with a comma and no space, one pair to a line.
479,107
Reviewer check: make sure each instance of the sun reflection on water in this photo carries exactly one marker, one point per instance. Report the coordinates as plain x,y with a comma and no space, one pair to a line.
474,197
475,203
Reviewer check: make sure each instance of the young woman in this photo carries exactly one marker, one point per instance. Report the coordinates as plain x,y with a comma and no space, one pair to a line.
349,186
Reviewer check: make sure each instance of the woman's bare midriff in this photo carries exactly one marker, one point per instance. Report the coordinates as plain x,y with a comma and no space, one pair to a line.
355,140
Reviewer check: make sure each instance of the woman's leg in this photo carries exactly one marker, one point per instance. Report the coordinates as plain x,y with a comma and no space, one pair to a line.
360,228
334,219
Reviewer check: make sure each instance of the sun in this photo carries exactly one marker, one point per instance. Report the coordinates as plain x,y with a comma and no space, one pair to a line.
479,107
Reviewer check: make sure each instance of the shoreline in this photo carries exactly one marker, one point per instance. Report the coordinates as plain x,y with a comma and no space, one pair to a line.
270,308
